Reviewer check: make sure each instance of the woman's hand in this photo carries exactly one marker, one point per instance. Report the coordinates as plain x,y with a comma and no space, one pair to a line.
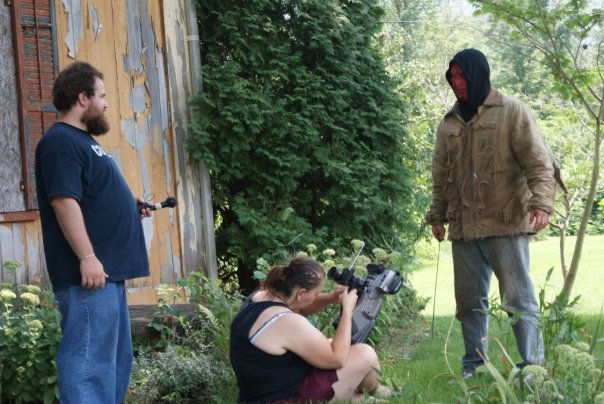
336,294
349,300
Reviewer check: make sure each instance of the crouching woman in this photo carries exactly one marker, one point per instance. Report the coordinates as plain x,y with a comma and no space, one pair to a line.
279,356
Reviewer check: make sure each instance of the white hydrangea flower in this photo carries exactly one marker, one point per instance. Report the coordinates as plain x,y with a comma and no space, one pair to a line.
30,298
7,295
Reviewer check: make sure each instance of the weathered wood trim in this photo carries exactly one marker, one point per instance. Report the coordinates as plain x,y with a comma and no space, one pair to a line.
18,42
27,216
35,68
142,315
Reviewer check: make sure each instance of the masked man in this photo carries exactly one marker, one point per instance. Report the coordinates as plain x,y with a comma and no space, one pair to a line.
494,181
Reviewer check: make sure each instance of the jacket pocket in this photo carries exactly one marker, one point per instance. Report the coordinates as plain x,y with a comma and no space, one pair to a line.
454,143
485,136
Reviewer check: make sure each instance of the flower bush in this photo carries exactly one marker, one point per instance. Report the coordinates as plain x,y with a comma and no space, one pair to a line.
29,337
178,374
576,374
189,362
574,378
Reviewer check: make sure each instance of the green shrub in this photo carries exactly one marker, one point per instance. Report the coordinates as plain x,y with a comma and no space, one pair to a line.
178,374
217,307
559,322
29,337
189,362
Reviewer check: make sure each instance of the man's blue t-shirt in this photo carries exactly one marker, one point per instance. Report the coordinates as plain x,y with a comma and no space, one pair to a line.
70,163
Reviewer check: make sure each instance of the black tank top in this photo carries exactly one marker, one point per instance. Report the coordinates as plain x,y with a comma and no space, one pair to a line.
262,377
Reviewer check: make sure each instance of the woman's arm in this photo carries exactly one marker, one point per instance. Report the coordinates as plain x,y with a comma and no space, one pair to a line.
301,337
323,300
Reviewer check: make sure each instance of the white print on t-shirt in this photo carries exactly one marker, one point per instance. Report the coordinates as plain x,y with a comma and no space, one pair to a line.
99,150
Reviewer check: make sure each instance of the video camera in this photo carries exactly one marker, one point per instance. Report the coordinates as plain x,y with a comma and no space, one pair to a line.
380,280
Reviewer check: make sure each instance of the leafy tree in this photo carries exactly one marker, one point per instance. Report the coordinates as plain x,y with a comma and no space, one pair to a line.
411,56
568,35
301,130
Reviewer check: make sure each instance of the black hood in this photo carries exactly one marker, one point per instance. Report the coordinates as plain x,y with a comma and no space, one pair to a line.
475,68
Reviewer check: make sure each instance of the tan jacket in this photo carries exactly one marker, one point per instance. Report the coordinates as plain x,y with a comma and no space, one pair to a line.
489,173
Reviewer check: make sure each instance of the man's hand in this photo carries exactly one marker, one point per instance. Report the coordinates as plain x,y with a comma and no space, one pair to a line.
439,232
539,219
143,212
93,274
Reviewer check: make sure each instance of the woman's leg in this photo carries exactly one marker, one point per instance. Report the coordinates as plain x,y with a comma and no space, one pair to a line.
358,373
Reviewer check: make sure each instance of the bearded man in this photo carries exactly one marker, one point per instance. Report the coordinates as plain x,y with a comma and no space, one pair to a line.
494,181
93,241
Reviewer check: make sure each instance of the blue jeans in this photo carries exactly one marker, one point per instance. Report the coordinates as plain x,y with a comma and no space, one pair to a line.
508,258
94,358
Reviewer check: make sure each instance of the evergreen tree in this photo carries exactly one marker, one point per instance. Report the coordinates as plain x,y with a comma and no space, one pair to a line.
301,128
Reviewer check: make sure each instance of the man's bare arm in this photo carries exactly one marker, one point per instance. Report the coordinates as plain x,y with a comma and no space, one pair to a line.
71,220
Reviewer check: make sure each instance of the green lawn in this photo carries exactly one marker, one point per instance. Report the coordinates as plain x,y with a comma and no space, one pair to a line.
423,365
544,255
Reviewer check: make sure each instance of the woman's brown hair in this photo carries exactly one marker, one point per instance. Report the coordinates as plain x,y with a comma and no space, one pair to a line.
302,272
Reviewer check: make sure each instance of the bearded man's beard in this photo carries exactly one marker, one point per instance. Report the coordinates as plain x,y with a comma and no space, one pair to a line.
95,122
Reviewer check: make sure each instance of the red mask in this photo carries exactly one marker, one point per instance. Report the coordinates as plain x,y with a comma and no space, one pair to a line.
459,83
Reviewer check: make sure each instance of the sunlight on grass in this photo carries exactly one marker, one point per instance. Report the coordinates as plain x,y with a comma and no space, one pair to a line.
424,365
428,372
544,255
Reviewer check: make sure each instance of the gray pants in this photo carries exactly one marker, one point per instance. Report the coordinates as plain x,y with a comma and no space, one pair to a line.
474,262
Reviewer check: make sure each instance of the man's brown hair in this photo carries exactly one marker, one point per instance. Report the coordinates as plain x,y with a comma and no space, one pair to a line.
76,78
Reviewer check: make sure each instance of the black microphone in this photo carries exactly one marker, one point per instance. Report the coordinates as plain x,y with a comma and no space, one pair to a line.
170,202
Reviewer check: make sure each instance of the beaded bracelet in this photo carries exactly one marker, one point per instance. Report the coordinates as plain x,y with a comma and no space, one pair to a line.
88,256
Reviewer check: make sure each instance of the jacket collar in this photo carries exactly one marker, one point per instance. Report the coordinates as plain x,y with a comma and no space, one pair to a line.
494,99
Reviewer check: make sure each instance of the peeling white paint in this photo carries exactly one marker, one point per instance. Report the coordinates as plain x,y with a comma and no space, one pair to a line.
154,85
129,131
176,264
73,9
148,231
132,59
138,100
96,24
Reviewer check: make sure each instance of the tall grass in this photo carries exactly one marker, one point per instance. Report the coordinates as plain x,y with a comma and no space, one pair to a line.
424,365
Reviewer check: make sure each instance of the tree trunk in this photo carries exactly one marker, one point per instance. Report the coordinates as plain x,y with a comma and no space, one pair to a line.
574,265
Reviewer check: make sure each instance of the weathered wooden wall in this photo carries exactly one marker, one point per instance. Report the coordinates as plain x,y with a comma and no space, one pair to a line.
141,47
19,238
11,198
196,215
21,241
